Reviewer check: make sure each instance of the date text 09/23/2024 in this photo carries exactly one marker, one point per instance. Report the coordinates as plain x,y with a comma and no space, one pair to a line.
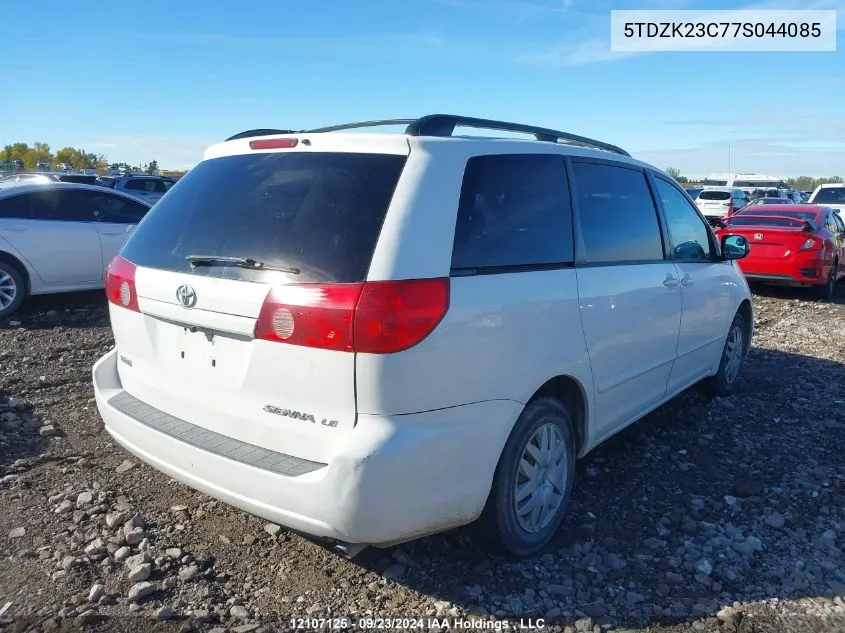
414,624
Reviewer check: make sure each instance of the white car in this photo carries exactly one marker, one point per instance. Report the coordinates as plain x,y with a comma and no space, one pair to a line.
16,180
374,337
830,195
718,202
149,188
59,237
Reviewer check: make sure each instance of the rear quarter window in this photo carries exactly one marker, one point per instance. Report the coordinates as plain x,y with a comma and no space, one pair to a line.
318,212
514,211
830,195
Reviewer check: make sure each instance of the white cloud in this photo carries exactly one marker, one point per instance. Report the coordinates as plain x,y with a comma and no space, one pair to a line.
306,45
589,51
170,152
768,156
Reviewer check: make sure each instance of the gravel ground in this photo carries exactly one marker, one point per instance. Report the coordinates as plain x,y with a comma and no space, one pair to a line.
725,515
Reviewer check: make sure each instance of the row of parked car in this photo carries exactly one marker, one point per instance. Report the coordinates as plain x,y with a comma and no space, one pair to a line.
146,187
804,232
58,236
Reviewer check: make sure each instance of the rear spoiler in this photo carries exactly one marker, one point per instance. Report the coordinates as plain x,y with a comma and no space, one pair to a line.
806,225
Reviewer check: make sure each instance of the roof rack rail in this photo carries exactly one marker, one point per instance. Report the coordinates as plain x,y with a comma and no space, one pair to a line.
259,132
352,126
445,124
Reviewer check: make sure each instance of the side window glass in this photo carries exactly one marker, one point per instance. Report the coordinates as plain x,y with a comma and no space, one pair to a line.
63,205
137,185
514,211
616,213
45,206
688,232
15,207
118,210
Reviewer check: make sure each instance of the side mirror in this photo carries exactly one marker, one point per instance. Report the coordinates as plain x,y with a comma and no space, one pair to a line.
735,247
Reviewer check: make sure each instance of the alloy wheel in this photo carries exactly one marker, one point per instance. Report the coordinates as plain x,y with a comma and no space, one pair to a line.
541,481
8,290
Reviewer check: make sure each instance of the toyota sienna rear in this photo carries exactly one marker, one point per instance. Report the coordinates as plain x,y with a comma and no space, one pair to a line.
373,337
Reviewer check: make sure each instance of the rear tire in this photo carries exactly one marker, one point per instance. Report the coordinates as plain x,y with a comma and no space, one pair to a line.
827,292
723,383
533,480
12,289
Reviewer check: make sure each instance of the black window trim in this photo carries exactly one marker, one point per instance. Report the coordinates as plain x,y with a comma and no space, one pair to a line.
580,249
715,250
475,271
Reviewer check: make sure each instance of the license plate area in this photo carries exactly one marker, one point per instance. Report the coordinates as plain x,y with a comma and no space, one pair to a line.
203,352
196,348
770,251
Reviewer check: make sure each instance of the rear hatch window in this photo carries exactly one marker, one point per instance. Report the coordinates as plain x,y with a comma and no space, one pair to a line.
317,214
830,195
714,195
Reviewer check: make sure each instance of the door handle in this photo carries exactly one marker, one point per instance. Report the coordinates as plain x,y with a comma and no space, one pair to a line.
686,281
670,282
112,234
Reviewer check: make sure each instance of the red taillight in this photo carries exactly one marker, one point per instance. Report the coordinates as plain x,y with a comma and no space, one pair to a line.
273,143
395,315
377,317
313,315
120,284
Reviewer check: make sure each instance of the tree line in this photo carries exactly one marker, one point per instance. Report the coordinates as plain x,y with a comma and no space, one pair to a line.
38,155
800,183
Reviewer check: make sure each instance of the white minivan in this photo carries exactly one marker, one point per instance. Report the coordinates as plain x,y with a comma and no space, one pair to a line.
374,337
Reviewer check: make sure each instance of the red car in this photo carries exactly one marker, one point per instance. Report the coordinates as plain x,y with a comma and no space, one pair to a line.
793,244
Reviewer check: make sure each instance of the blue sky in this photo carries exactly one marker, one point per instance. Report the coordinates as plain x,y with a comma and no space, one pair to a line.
138,81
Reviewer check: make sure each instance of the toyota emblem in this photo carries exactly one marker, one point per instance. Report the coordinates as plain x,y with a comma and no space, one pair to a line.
187,296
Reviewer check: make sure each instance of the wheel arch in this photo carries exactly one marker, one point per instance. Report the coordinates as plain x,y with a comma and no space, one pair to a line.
571,392
746,311
10,259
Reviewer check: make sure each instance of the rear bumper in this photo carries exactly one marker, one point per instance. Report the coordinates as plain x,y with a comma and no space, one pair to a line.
398,477
786,280
800,271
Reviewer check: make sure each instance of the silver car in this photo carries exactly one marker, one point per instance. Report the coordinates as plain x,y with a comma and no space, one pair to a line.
149,188
59,237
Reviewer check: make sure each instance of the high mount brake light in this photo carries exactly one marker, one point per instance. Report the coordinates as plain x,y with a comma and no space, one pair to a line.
273,143
376,317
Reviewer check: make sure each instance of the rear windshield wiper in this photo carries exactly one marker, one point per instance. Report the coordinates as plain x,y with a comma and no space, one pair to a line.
240,262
